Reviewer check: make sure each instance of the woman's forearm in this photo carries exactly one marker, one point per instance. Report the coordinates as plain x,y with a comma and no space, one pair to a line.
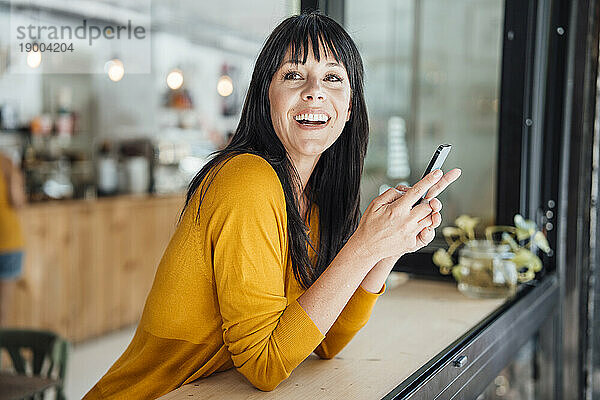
325,299
376,277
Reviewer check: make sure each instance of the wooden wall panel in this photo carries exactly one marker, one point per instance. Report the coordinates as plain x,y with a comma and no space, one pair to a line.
83,227
90,264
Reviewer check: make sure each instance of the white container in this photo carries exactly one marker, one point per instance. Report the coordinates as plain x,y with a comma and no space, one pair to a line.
138,174
108,175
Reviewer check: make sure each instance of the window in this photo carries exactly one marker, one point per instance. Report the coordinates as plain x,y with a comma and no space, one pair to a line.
432,76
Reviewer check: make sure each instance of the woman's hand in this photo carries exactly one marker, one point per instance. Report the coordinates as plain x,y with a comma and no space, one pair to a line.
427,234
391,227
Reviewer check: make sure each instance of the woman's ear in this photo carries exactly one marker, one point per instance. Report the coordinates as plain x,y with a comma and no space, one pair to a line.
349,109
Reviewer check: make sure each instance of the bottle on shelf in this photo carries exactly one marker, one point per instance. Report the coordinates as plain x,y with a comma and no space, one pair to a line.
107,171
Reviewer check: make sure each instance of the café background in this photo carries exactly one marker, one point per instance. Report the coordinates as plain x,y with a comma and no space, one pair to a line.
437,82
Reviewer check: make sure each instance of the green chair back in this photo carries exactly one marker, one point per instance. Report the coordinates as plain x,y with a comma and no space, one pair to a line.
47,349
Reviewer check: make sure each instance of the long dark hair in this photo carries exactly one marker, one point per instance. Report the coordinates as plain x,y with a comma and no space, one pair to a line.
334,185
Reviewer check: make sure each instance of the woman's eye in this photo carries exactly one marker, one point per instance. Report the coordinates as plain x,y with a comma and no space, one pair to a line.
333,78
291,76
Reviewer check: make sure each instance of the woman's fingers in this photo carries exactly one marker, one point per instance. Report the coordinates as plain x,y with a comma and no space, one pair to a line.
387,197
435,210
435,204
429,220
426,210
420,212
425,237
436,219
443,183
413,194
423,224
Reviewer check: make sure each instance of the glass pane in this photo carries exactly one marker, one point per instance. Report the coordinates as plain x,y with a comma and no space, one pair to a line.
517,380
432,77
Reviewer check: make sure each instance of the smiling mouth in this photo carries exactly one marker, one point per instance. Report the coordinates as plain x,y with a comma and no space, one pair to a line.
312,120
306,122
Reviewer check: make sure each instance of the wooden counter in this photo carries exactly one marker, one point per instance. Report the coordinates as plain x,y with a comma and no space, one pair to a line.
89,264
410,324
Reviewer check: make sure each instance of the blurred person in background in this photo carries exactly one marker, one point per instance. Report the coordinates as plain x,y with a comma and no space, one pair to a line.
12,196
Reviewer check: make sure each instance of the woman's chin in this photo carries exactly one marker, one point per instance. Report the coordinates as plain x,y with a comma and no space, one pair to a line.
312,149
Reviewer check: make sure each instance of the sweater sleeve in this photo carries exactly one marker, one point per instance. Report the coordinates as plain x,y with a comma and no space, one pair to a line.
352,318
266,336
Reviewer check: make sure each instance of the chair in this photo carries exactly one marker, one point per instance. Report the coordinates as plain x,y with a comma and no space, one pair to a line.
49,351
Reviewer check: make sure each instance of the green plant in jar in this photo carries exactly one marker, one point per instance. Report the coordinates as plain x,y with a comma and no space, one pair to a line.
490,263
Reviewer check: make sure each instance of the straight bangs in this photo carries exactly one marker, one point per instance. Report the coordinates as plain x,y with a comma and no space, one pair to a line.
299,46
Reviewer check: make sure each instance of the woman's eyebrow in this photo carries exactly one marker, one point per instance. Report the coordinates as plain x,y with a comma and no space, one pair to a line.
333,64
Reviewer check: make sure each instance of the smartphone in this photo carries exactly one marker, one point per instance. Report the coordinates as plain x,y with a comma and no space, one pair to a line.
436,162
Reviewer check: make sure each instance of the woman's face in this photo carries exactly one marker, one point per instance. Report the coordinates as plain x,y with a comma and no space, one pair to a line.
310,104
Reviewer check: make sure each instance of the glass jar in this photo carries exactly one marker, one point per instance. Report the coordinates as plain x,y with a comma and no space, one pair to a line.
486,270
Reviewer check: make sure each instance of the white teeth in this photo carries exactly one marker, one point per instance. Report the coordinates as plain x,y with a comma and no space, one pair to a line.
312,117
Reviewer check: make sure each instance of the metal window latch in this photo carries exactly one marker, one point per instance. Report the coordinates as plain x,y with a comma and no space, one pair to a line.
460,362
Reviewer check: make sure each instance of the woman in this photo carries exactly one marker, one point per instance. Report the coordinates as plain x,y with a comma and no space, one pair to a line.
12,196
244,282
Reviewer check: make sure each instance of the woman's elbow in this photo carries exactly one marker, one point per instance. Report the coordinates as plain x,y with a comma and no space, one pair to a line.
326,353
326,356
264,375
265,384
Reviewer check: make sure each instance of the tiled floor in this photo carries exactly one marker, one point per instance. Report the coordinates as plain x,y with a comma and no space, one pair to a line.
88,361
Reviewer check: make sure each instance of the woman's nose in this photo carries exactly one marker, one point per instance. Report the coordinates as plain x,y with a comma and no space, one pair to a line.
313,91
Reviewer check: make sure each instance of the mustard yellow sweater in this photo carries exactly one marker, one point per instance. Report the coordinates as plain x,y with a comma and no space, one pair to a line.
224,295
11,235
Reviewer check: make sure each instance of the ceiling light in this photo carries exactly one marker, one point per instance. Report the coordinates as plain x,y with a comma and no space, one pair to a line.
34,59
115,69
175,79
225,86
